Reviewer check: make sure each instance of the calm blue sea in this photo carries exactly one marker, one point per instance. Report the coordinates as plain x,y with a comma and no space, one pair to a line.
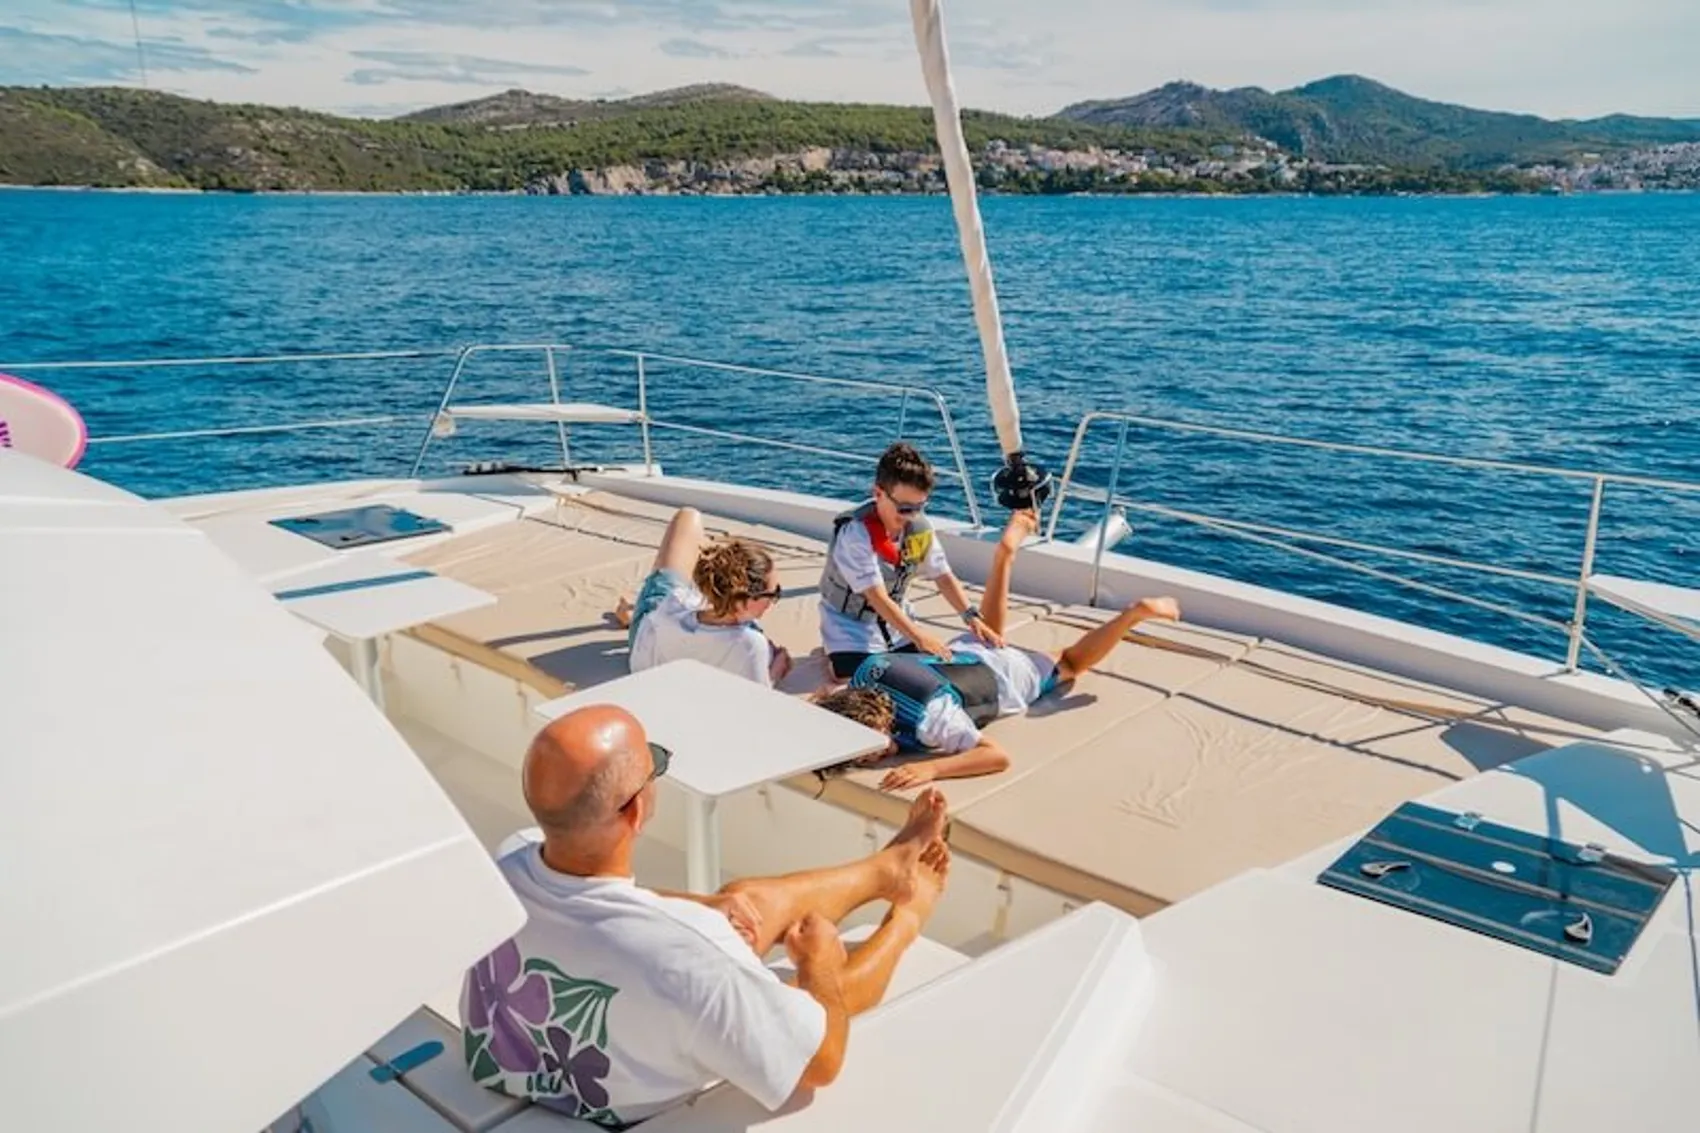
1561,331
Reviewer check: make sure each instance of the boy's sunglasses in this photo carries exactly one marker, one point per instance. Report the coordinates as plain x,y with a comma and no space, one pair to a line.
905,509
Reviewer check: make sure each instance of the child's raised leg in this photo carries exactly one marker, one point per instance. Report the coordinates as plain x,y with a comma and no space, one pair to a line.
994,605
1095,644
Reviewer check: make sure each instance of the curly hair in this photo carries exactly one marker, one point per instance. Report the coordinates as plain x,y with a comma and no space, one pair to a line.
869,707
729,572
903,464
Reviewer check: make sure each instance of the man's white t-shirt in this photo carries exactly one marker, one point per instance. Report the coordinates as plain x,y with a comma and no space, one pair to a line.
853,555
613,1003
673,631
947,728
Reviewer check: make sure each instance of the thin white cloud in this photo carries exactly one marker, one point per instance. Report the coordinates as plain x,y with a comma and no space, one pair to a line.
435,66
694,49
1576,58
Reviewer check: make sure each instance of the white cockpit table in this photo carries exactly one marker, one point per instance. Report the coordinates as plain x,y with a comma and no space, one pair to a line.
727,734
360,597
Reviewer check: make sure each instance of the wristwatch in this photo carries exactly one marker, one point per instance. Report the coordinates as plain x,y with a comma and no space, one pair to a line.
969,615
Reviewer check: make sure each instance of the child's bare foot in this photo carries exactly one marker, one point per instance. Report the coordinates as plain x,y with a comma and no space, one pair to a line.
926,825
1021,526
1165,608
931,870
623,613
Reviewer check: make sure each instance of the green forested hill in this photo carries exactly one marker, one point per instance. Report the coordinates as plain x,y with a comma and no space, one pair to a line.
119,136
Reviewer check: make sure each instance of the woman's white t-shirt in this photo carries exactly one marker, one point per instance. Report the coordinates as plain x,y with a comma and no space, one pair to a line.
673,631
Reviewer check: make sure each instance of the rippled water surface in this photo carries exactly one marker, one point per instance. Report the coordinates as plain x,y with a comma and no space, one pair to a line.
1548,331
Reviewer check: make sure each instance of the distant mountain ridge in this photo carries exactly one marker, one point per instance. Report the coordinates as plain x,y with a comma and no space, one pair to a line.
1340,135
524,108
1348,118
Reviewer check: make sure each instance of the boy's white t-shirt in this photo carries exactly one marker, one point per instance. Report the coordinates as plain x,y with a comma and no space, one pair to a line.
945,725
853,555
673,631
613,1003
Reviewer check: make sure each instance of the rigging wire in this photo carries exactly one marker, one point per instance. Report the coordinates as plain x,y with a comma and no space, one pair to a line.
141,58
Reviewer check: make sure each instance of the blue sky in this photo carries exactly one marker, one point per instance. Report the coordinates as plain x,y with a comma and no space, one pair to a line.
1554,57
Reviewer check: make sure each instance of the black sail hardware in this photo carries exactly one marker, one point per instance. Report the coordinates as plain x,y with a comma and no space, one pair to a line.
1577,903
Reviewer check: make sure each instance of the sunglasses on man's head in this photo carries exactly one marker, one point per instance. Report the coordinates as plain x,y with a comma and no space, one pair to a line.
659,758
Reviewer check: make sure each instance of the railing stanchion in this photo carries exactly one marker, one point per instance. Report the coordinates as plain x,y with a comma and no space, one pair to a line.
961,463
643,417
1578,620
555,398
1109,507
442,404
1068,473
903,415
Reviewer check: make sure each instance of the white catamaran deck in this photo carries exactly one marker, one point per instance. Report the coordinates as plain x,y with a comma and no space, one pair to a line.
1205,777
1192,755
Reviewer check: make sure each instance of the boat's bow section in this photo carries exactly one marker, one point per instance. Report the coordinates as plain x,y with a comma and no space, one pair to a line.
1285,1006
225,872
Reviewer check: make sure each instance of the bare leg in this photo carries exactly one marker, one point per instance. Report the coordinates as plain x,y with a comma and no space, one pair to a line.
1097,643
678,552
868,973
890,875
994,605
681,543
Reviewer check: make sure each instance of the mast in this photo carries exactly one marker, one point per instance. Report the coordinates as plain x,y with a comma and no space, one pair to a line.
1020,483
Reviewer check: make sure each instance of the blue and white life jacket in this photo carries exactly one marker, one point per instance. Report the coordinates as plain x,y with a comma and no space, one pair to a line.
913,680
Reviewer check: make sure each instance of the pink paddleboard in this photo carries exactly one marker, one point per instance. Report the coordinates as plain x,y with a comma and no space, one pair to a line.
40,423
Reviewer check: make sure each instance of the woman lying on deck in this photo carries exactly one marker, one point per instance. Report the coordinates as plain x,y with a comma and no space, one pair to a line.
702,603
938,707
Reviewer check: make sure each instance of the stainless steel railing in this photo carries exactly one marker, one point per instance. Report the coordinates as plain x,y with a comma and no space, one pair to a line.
643,365
1289,539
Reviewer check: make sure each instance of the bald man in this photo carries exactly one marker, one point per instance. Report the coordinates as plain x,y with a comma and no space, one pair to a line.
616,1002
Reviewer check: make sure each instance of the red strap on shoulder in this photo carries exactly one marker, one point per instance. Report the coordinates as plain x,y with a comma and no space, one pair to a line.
884,545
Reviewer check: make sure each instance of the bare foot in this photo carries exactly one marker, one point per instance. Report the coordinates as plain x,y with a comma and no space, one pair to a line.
926,825
931,870
1165,609
623,613
926,822
1021,525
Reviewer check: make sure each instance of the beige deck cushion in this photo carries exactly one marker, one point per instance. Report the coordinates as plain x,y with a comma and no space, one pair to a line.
1140,673
557,580
1246,768
1189,755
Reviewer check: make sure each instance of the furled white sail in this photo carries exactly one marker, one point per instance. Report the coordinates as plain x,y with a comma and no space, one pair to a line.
959,171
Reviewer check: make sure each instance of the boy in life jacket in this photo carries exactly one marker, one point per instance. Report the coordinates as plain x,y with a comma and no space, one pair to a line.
877,549
937,707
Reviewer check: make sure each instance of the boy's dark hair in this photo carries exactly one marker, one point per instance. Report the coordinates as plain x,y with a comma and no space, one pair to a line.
869,707
902,464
